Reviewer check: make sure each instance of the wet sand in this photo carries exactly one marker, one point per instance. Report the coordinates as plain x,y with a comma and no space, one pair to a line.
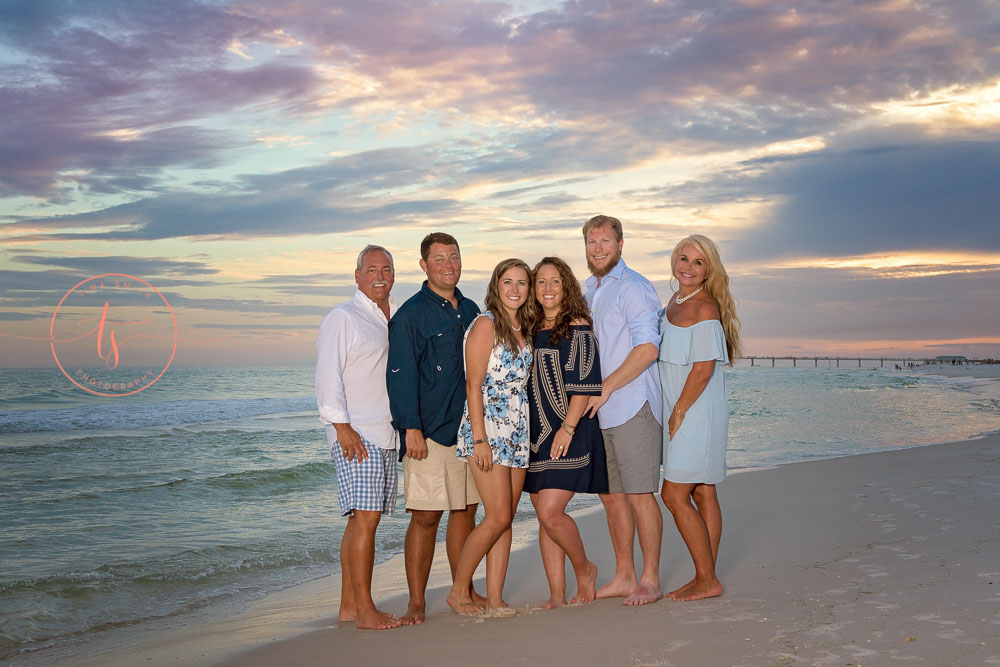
872,559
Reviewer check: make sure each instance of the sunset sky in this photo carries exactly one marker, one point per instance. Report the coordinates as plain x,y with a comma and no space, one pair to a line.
844,154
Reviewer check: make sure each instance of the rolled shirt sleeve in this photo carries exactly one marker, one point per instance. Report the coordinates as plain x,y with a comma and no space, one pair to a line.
641,308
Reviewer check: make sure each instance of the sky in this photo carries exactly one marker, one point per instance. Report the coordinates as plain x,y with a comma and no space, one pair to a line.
226,161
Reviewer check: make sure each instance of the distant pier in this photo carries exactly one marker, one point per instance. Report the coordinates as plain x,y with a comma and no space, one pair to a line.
905,362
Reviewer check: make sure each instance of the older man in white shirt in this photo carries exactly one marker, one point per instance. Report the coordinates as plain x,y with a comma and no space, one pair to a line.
351,354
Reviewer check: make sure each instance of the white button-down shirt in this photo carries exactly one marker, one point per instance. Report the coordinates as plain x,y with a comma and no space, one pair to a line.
351,354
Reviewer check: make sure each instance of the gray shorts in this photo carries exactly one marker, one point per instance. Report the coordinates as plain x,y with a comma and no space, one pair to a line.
634,450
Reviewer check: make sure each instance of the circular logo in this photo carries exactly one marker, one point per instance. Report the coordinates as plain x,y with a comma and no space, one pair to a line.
113,335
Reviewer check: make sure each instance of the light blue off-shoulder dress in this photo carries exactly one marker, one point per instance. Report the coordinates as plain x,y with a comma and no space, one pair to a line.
697,452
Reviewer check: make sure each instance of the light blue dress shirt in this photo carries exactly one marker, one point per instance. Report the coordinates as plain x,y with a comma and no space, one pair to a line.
626,313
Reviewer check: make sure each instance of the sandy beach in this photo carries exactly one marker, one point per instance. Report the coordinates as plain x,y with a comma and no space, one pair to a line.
864,560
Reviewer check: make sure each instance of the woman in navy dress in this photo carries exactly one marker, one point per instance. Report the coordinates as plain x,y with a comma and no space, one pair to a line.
567,449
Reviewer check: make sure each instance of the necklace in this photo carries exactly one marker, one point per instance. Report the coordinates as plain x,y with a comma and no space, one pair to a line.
678,300
515,328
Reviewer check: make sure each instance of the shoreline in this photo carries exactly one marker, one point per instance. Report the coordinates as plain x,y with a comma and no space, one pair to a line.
870,557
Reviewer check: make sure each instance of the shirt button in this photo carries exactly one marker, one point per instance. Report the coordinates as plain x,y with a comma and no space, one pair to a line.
439,368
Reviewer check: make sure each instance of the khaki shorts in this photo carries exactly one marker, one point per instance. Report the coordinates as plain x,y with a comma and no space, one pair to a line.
442,481
634,450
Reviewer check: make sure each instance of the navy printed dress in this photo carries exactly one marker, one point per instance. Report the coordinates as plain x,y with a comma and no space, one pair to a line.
569,368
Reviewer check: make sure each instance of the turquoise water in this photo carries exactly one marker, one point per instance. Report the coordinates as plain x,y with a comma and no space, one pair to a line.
216,484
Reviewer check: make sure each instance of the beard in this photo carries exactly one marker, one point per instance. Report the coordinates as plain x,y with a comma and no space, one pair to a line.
611,263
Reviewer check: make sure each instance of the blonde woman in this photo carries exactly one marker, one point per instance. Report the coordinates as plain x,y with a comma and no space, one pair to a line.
493,434
700,336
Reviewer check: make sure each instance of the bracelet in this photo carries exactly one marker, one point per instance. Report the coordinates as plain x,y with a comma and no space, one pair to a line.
479,442
678,412
569,429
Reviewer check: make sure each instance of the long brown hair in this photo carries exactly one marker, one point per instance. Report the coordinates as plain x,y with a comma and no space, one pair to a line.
717,287
503,333
573,307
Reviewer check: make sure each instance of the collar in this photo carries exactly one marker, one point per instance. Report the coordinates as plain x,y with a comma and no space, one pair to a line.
366,302
617,272
426,290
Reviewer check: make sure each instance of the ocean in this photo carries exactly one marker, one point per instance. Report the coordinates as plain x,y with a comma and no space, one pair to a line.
215,484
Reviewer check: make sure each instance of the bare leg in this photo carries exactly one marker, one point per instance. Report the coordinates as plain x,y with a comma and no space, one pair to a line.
361,555
551,508
419,550
498,556
707,502
554,563
649,525
460,525
494,489
348,609
677,498
621,526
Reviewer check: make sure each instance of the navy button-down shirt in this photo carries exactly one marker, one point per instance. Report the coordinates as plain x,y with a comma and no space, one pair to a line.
425,374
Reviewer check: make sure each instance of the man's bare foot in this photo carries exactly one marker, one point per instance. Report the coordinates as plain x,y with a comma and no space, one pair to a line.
496,605
700,591
682,590
347,614
463,606
585,588
375,620
414,615
644,594
553,603
618,587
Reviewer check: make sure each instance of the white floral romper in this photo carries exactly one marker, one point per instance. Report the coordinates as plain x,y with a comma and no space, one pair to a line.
505,402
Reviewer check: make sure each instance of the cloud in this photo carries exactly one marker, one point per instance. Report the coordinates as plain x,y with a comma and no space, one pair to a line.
930,196
139,266
856,304
104,92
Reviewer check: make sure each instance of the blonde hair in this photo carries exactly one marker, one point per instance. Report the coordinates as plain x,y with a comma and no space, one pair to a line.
503,333
717,287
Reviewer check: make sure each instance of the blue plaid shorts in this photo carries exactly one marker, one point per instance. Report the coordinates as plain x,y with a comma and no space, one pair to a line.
369,485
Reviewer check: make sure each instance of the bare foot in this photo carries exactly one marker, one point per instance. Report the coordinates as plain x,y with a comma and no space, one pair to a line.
644,594
618,587
553,603
463,606
682,590
477,598
347,614
375,620
499,605
414,615
700,591
585,588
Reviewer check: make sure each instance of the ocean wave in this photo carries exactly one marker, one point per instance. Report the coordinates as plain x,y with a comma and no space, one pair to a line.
125,414
263,481
67,604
